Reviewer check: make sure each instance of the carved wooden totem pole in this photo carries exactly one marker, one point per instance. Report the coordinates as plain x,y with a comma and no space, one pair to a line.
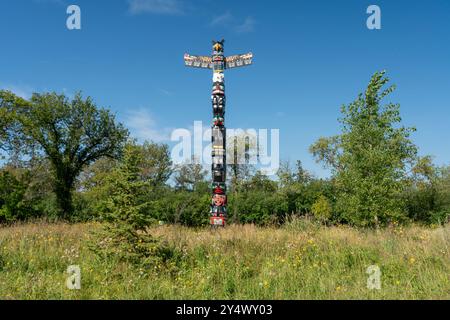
218,63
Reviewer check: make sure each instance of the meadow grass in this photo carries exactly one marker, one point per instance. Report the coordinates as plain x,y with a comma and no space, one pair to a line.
297,261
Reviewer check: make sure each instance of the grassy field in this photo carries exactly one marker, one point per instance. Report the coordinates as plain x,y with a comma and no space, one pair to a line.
298,261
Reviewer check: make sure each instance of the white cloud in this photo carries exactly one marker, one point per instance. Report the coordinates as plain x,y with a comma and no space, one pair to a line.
143,127
247,26
221,20
229,20
155,6
165,92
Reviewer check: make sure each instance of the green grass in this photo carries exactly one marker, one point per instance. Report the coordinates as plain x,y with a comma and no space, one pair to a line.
297,261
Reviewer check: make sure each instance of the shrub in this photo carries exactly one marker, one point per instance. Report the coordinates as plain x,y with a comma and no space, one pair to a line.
14,204
321,209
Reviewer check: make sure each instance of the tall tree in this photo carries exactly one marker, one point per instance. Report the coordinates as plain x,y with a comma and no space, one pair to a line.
370,157
72,134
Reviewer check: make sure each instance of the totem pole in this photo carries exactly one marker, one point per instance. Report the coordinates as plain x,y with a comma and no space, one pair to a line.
218,63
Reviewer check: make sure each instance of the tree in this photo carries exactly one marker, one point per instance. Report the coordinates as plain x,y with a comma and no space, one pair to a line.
302,175
369,159
125,213
12,139
241,151
156,165
428,194
72,134
190,176
260,182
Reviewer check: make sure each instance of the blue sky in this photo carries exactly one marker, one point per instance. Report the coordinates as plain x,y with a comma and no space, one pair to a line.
310,58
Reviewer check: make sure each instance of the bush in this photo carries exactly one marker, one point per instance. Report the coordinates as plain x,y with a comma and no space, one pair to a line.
322,209
258,207
14,205
181,206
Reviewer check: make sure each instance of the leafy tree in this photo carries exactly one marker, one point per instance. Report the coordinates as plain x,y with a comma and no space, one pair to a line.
25,191
428,195
285,174
301,175
369,158
95,175
72,134
12,139
40,183
260,182
241,150
156,165
190,176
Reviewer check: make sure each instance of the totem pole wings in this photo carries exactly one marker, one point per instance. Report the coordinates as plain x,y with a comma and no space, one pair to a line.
237,61
198,61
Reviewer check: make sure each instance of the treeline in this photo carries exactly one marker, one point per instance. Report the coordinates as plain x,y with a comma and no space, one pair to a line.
69,159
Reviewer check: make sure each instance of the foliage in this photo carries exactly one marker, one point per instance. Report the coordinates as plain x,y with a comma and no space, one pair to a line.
155,164
182,207
71,134
190,176
369,158
126,217
64,162
428,194
11,137
12,195
322,209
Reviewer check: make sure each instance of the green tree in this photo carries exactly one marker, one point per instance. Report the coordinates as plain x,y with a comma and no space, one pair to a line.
125,213
370,158
428,195
190,176
72,134
241,150
260,182
12,139
156,165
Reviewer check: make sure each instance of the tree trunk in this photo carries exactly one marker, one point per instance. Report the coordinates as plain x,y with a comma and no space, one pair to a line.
63,191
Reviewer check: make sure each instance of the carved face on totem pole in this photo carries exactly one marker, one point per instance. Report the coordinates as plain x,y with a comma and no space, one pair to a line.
218,88
219,200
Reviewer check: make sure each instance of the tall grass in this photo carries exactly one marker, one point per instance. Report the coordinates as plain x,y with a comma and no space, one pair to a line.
298,261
